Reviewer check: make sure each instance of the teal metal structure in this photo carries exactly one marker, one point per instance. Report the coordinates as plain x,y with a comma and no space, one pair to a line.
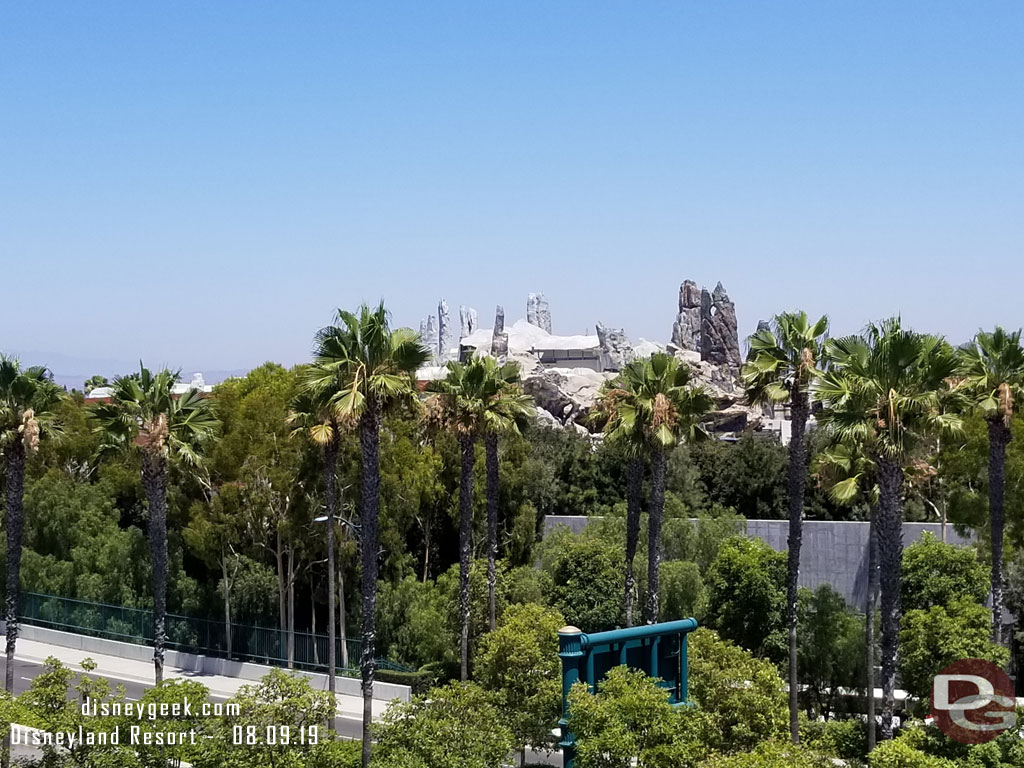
657,649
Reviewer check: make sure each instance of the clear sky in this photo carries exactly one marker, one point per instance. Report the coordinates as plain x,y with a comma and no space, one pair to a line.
201,183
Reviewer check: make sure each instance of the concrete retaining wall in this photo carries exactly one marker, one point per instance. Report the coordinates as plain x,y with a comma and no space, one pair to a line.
833,552
201,665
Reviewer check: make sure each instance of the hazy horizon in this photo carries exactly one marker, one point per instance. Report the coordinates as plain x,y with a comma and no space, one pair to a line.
201,185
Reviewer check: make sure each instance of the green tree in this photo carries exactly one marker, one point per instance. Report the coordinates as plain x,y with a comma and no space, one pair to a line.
935,573
684,590
743,699
771,754
145,416
28,400
279,701
782,367
831,639
457,726
747,598
361,369
519,663
655,398
587,575
628,721
886,391
477,398
94,382
633,443
994,377
933,638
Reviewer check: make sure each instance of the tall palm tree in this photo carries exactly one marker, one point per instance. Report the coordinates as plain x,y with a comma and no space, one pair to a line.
633,443
993,369
848,473
312,416
885,390
362,368
657,399
504,412
28,399
145,416
478,397
781,367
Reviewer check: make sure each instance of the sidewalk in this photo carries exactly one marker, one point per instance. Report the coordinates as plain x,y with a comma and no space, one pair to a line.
141,673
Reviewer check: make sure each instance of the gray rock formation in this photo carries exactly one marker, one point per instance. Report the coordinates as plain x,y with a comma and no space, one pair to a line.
499,337
428,336
567,395
719,338
686,328
537,311
616,351
467,321
444,331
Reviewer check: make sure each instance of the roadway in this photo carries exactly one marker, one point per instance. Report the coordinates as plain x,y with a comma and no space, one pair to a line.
346,727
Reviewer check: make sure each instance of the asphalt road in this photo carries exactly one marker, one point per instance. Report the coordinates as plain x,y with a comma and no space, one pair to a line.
350,728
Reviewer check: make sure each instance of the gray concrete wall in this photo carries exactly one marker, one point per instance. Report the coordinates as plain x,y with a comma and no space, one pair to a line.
834,553
200,665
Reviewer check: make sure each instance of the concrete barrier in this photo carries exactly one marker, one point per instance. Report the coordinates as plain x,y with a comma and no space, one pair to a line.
199,664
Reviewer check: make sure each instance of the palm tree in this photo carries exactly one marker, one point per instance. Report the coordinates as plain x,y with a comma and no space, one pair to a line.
144,415
848,473
362,368
993,367
504,411
478,397
633,443
312,414
657,400
781,367
885,390
28,399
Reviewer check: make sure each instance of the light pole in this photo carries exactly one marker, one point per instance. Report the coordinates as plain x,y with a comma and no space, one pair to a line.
332,590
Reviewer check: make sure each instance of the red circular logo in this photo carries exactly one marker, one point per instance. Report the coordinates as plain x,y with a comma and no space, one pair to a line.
973,701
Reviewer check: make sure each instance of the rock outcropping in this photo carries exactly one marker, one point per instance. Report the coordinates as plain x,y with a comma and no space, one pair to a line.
616,351
467,321
444,332
537,311
719,337
499,337
428,336
686,328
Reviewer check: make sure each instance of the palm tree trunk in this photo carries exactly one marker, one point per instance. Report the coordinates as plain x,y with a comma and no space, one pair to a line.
369,441
330,468
282,594
15,489
154,482
227,603
797,478
465,529
890,557
291,605
634,487
999,436
491,451
342,631
869,626
655,515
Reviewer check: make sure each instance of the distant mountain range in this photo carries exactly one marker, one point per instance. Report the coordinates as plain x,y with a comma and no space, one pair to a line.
71,372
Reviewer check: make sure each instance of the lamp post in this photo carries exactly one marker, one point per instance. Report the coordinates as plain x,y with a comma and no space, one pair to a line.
332,591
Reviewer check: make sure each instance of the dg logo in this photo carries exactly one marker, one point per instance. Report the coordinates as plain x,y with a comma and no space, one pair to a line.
973,701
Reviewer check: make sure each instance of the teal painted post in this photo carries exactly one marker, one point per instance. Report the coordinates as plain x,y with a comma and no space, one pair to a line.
684,672
570,651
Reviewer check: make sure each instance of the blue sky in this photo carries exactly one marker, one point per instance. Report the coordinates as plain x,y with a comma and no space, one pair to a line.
201,183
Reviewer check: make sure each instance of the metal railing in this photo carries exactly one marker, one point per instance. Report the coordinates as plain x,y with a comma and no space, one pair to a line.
262,645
